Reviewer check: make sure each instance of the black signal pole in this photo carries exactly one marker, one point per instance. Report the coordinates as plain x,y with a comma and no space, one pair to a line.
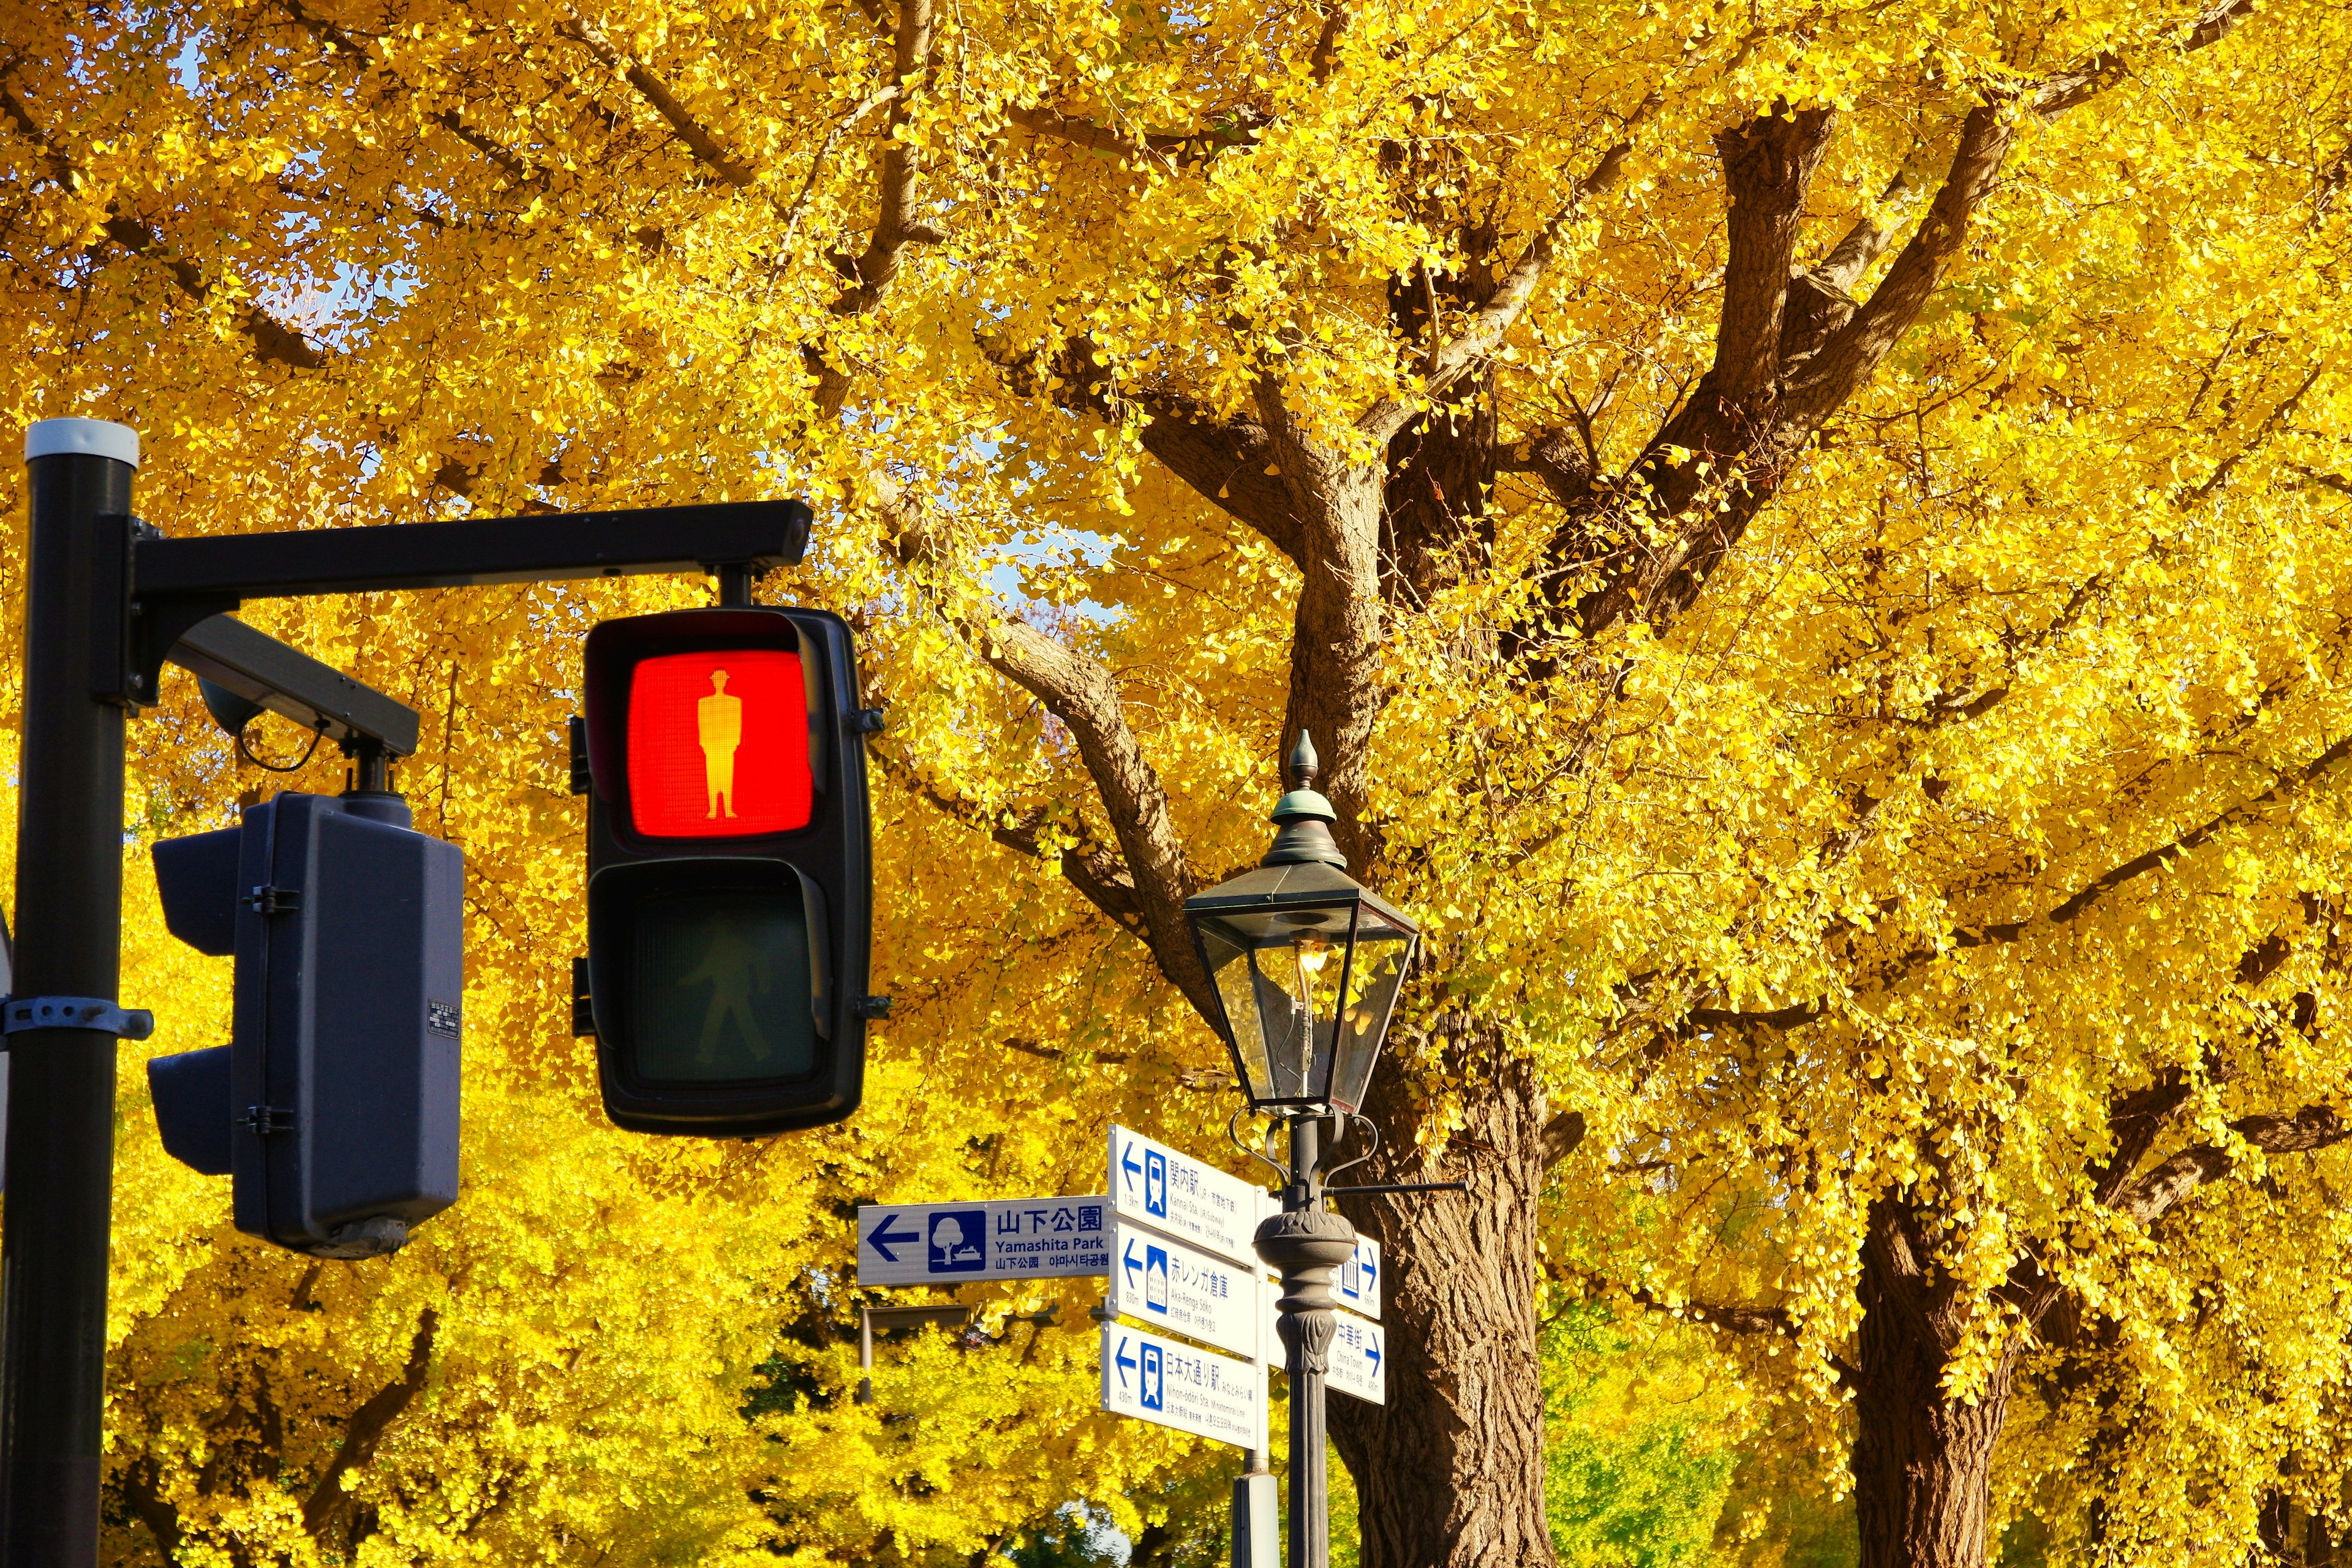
60,1159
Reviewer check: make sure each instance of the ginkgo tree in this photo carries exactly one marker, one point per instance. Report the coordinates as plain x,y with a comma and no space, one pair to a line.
1810,537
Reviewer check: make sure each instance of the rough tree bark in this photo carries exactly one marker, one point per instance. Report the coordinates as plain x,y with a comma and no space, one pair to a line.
1922,1458
1450,1470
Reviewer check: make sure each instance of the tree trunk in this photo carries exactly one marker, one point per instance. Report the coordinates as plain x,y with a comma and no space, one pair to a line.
1922,1459
1450,1472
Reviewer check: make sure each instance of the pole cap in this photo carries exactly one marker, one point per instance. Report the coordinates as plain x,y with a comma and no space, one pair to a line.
97,438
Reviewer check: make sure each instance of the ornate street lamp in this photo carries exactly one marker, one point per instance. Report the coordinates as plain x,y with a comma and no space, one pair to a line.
1305,959
1306,962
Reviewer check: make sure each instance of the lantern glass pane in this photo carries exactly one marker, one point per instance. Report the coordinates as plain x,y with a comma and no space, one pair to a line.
1381,954
1233,970
1277,973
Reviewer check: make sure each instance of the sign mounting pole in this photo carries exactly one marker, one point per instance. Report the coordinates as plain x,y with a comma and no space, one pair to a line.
59,1203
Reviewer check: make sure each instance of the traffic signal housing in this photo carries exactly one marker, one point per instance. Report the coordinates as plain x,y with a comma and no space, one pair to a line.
730,870
335,1105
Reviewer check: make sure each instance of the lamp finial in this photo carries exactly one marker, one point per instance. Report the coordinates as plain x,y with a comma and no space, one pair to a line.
1303,814
1305,765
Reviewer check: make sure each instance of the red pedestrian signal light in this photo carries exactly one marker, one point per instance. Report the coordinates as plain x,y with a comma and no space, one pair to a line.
729,870
719,745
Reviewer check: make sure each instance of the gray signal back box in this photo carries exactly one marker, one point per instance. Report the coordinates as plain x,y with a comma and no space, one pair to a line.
343,1085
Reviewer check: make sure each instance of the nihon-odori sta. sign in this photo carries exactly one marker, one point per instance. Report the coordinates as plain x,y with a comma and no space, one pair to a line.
719,745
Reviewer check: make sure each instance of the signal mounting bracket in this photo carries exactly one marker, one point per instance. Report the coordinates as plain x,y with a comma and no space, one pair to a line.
21,1013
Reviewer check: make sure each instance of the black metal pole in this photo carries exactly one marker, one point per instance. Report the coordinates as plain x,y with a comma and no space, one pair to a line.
1307,1245
735,585
60,1151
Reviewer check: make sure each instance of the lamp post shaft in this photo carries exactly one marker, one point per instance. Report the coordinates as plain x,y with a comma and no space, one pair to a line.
1307,1245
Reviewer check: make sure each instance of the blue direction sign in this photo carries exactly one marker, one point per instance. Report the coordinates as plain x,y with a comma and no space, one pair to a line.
1161,1281
1171,1383
1359,1285
985,1238
1358,1353
1177,1196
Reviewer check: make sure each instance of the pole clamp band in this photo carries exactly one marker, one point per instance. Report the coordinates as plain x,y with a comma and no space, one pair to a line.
74,1013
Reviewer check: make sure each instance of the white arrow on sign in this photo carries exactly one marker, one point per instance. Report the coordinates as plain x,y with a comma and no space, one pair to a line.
1154,1185
1175,1384
985,1238
1158,1280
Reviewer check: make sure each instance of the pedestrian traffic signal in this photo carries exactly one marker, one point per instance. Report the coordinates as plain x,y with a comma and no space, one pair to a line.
335,1105
729,881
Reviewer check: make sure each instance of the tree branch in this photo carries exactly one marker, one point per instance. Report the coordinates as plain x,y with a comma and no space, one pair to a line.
833,136
1768,167
1225,460
1182,147
1562,1136
1556,458
1737,1320
1094,869
896,225
2149,1198
329,1502
1854,351
1493,321
1082,692
698,137
272,339
352,48
2162,855
1326,58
